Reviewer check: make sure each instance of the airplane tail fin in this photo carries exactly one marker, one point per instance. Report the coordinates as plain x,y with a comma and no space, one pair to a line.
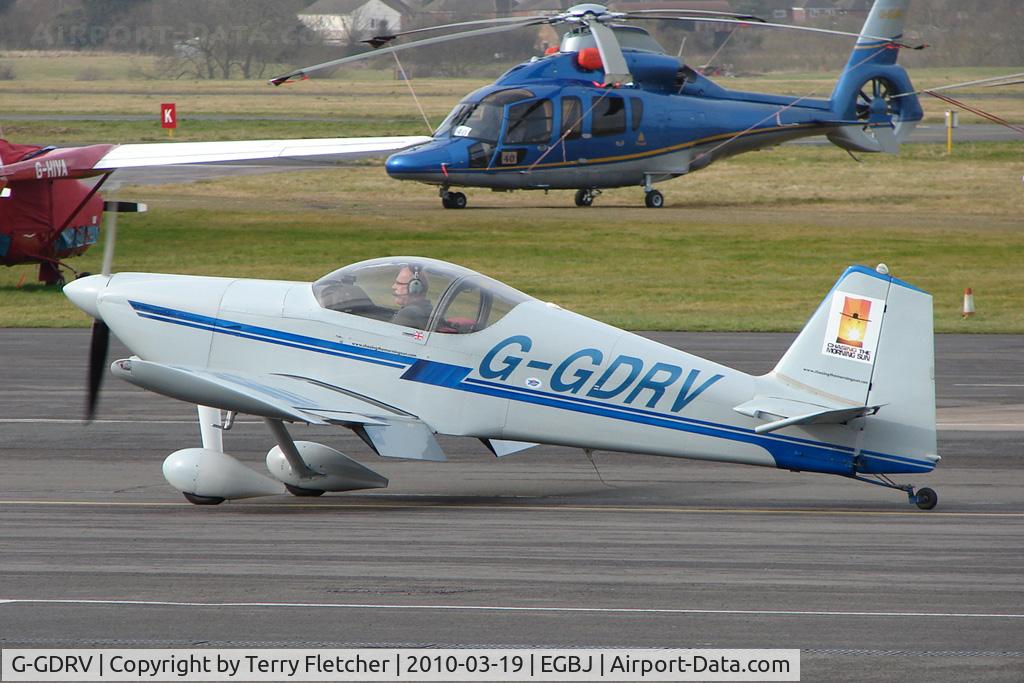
874,97
870,345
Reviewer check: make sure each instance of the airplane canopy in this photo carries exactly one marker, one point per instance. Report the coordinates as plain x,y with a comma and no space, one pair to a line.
448,299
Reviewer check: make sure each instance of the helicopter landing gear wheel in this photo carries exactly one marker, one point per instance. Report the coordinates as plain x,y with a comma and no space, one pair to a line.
303,493
926,498
585,197
654,199
202,500
453,200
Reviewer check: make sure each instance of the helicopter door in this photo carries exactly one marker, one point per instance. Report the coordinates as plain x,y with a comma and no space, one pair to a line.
528,128
572,145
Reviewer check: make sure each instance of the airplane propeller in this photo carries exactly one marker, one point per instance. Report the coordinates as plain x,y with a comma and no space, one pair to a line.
99,342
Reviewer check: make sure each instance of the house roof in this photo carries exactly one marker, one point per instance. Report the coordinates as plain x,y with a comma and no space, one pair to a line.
345,7
700,5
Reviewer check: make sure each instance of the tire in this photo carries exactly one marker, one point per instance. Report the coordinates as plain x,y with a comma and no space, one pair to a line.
654,200
446,202
926,498
202,500
303,493
457,200
584,198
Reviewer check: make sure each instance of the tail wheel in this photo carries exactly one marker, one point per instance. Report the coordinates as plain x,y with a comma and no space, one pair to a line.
926,498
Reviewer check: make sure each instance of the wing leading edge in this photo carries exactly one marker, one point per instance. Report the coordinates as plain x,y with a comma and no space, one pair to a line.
391,433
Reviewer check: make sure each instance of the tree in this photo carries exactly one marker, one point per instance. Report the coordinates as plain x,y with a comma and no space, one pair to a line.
224,38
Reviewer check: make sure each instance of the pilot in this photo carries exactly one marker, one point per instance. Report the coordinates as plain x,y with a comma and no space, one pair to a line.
410,290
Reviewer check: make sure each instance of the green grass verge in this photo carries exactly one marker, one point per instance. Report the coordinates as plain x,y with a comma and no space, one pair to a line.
752,243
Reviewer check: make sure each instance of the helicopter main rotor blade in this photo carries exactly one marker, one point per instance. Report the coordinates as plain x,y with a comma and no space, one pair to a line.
668,14
379,41
994,82
791,27
405,46
615,68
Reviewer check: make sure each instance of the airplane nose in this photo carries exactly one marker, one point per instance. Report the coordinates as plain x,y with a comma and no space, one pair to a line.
85,292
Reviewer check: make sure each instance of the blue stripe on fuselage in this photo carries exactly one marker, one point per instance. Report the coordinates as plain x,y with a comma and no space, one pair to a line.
789,452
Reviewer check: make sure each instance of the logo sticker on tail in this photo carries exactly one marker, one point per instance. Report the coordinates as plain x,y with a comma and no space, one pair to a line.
854,323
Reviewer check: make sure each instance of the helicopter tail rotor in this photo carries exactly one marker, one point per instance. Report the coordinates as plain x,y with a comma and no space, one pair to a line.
874,99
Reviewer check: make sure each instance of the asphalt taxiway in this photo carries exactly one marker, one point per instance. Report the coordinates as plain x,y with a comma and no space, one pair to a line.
541,549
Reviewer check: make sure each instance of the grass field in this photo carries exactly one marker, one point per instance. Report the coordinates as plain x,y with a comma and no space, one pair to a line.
752,243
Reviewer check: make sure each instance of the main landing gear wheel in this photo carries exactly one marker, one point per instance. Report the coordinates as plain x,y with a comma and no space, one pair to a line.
584,197
203,500
926,498
453,200
654,199
303,493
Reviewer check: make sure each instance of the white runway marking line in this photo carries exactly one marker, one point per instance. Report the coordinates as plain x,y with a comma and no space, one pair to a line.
511,608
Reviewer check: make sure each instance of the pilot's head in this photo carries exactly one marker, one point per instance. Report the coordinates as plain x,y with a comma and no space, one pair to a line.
410,284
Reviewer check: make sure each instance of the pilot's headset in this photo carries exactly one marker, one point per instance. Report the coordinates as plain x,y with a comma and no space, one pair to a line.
417,283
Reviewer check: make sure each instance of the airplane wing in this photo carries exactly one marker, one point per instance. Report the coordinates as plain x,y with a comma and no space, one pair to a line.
169,154
783,412
390,431
95,160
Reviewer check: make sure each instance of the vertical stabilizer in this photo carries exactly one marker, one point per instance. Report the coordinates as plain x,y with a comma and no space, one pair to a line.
870,343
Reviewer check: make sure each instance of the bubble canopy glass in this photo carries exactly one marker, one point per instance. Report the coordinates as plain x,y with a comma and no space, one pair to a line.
454,300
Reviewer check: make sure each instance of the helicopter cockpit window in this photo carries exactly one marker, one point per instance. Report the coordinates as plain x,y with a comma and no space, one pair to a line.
403,292
609,116
529,123
475,303
481,120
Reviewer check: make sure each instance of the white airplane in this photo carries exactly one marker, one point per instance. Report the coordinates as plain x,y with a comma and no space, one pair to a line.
400,349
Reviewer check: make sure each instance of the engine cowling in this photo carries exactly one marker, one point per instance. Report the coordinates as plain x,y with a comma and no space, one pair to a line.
335,471
211,474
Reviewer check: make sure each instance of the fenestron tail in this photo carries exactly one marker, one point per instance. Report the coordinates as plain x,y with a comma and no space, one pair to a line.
874,94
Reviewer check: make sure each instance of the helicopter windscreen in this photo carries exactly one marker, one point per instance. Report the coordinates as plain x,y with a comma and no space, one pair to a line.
481,120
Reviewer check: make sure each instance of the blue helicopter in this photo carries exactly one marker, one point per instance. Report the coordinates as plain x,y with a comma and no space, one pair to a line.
610,108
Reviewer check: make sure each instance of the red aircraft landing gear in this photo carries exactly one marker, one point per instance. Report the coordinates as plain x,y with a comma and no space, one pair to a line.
51,274
452,200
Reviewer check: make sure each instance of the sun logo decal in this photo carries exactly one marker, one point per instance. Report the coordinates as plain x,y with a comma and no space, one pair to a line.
854,324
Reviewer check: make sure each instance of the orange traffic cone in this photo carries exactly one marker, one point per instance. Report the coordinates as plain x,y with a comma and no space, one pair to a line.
968,303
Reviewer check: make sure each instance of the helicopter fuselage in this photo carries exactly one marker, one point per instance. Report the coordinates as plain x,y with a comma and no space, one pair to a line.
552,124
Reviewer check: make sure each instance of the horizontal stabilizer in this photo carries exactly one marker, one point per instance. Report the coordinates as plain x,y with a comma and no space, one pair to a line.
787,412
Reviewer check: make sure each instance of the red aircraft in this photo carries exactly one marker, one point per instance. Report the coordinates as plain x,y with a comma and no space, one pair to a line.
47,214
